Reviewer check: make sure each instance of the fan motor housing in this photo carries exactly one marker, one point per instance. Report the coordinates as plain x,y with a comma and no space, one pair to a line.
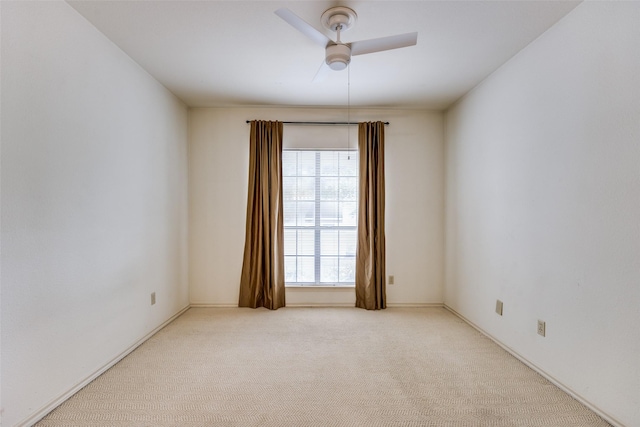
338,56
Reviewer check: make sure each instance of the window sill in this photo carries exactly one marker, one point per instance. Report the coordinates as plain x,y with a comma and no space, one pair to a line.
320,286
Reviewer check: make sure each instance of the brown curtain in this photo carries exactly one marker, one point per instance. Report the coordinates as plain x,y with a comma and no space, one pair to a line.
262,280
370,252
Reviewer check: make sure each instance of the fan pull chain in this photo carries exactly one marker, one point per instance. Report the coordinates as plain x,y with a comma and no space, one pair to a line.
348,112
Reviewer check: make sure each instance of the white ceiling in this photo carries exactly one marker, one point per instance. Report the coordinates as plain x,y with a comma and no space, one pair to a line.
239,53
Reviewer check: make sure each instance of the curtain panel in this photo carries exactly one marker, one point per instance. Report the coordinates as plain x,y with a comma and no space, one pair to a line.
262,280
370,250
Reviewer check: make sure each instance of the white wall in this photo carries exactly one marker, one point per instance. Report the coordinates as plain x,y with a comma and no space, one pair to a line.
94,204
218,171
543,205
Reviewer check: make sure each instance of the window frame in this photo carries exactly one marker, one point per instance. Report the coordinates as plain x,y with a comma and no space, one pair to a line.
318,227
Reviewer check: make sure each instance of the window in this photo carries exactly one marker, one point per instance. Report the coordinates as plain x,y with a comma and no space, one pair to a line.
320,216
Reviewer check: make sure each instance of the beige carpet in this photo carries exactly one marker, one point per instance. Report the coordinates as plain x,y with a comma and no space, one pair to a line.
320,367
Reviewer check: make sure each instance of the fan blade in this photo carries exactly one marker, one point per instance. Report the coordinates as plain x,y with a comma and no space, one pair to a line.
322,73
301,25
383,43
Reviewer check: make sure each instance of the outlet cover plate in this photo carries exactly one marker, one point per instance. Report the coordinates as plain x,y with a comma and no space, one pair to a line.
153,298
499,307
541,328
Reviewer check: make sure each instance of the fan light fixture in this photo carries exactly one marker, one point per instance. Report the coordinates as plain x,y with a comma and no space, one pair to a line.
338,56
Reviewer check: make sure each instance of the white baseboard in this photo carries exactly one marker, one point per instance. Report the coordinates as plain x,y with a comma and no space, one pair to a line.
331,304
608,418
54,403
415,305
212,305
290,305
320,304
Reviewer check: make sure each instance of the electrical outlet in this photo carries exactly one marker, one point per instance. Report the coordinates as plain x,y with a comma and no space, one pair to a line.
153,298
541,328
391,280
499,307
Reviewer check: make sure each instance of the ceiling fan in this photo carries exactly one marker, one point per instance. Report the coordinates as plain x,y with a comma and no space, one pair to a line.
337,53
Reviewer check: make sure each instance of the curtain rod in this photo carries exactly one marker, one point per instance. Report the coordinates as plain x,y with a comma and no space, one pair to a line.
323,123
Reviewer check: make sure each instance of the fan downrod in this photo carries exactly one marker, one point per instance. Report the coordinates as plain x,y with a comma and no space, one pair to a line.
339,17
